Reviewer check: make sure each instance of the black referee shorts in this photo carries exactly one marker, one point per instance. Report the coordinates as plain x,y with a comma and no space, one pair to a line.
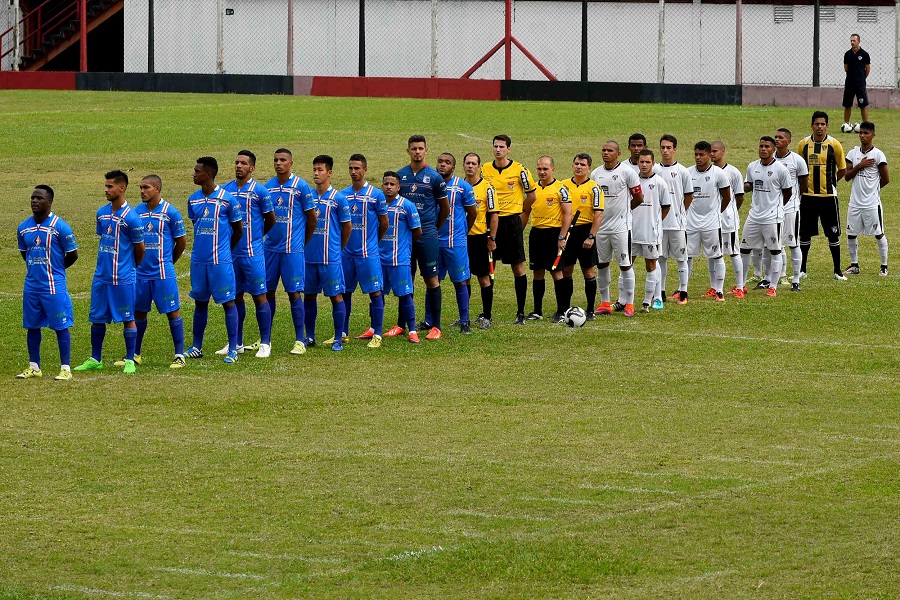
575,250
543,245
510,240
819,208
479,264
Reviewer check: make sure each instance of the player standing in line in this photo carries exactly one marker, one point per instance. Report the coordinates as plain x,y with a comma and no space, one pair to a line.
424,186
514,188
218,226
48,247
395,249
453,256
731,219
674,241
249,255
120,250
868,173
480,263
712,194
551,215
790,232
324,264
361,262
621,189
824,157
165,239
770,183
585,196
646,225
637,143
284,244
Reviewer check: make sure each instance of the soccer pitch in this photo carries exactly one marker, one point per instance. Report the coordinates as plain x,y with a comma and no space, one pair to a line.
744,450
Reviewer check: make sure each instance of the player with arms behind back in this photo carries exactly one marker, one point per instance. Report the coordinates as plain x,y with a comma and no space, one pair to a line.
480,263
790,232
453,256
674,241
868,173
646,225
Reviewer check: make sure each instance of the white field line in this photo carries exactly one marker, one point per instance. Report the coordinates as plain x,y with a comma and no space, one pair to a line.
630,490
411,554
97,592
472,137
295,557
573,501
753,461
678,474
861,439
483,515
207,573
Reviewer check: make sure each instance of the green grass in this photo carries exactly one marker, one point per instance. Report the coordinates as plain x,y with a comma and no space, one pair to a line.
707,451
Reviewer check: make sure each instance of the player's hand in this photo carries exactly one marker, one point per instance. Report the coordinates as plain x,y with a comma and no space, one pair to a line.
561,245
867,162
588,243
491,245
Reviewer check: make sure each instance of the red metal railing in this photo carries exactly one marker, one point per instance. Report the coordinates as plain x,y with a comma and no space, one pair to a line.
42,23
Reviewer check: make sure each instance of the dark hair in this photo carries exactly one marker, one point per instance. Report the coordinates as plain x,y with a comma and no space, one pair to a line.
453,158
858,39
284,151
768,138
249,155
47,189
324,159
475,154
155,179
647,152
393,174
415,139
819,114
118,177
704,146
503,138
785,130
637,136
868,126
209,164
668,137
359,158
584,156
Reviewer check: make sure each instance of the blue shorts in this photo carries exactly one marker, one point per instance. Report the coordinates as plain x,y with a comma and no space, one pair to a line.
291,268
212,280
40,309
162,292
397,279
425,254
327,279
249,274
454,261
111,303
365,271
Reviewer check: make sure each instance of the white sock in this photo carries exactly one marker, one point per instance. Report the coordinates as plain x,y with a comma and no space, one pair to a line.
621,285
650,285
796,261
603,279
776,268
663,268
684,275
883,248
746,261
738,265
690,266
65,368
711,265
719,270
626,278
34,366
783,262
757,262
767,265
853,249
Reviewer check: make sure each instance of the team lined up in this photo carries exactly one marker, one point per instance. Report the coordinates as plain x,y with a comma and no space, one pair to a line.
248,236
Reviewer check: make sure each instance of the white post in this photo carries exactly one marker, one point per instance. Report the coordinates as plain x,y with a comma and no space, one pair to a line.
698,33
220,45
290,39
661,44
17,35
434,48
897,44
739,44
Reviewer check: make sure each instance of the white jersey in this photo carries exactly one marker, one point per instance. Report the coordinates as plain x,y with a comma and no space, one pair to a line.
767,183
646,225
865,187
731,220
678,181
635,166
618,185
706,207
797,168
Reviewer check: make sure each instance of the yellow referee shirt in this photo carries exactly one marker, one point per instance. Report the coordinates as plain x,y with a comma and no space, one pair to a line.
546,212
586,197
510,184
484,203
824,160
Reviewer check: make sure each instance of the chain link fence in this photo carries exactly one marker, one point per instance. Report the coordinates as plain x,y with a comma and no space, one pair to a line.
643,42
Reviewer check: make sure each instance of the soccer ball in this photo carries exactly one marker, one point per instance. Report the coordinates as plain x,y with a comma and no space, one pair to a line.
847,128
856,128
575,317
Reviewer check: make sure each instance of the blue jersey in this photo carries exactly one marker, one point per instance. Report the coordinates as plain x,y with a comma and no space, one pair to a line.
255,202
291,200
455,231
212,217
396,245
162,226
119,230
45,244
424,189
325,246
365,208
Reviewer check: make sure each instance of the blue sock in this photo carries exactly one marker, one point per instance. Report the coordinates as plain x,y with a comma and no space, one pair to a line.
141,330
34,346
176,327
376,313
64,339
298,315
338,312
231,326
264,318
436,296
271,304
408,311
200,319
348,301
462,301
311,310
98,332
241,315
130,334
429,313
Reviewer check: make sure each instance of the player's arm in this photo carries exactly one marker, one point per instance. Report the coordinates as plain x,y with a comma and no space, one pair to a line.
748,187
69,258
443,211
854,170
595,225
416,233
868,68
726,197
786,194
739,200
382,225
688,198
346,228
637,196
178,248
471,215
493,225
139,251
840,163
883,174
311,219
566,210
268,221
237,230
527,205
802,182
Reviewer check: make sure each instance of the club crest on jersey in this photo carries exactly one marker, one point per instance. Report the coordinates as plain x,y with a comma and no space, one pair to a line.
426,179
549,201
652,185
355,208
615,177
707,178
672,174
769,173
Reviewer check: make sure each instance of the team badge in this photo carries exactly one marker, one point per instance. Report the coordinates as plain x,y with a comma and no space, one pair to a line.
652,185
426,179
707,178
550,202
769,173
511,185
615,177
672,174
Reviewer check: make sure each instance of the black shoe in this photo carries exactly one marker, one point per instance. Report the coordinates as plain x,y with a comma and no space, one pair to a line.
455,323
520,319
423,326
590,316
557,318
618,306
485,324
795,287
763,285
664,297
479,318
465,329
534,316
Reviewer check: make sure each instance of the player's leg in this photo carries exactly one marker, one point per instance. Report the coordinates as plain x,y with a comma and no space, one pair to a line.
221,284
369,273
143,299
459,276
273,273
294,272
257,288
333,287
428,265
536,249
862,100
855,227
351,279
809,228
121,299
201,293
33,318
831,226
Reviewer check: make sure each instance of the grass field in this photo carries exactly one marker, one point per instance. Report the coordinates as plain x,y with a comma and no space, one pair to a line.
744,450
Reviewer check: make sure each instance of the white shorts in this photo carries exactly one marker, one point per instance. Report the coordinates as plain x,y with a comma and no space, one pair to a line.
761,235
790,232
648,251
614,246
865,221
674,244
729,243
710,240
